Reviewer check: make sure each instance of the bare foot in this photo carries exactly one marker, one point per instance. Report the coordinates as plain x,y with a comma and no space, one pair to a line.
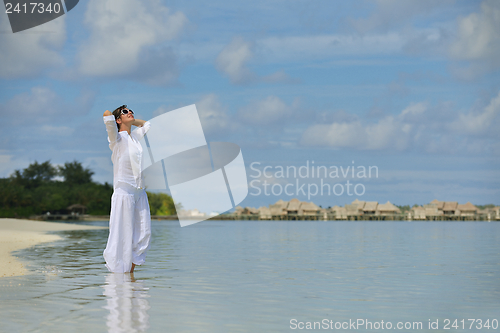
133,266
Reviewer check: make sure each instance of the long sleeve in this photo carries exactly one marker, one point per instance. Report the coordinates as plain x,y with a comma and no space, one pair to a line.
112,130
141,131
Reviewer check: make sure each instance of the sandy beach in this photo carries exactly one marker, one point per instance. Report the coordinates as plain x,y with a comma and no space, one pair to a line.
16,234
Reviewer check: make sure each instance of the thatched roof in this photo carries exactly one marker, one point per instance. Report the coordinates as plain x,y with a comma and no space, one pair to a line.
280,204
358,203
450,206
293,205
277,210
76,206
370,206
438,203
468,207
388,207
337,208
352,208
264,210
250,210
340,211
309,206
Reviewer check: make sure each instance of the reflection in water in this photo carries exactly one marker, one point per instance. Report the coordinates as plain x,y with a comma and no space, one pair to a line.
127,303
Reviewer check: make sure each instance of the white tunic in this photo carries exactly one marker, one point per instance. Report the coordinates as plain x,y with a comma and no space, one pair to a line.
130,220
127,153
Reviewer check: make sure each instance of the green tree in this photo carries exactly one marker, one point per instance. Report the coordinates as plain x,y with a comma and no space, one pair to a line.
33,191
404,208
35,174
74,173
485,206
161,204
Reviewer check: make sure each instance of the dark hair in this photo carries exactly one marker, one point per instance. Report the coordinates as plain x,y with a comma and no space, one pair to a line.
118,112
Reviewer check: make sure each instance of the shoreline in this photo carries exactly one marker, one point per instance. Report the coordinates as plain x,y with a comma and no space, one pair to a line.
17,234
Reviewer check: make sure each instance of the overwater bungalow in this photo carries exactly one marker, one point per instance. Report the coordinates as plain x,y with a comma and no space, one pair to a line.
308,209
439,204
418,213
467,209
264,213
387,209
340,213
450,207
279,209
293,207
370,208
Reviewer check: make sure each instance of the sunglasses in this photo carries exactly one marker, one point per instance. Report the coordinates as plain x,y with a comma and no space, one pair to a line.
127,111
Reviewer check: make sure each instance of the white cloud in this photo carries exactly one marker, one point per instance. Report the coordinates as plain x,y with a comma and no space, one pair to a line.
479,123
233,61
417,126
388,133
478,37
415,112
57,130
126,40
40,105
269,111
44,125
233,58
478,40
41,117
213,115
28,53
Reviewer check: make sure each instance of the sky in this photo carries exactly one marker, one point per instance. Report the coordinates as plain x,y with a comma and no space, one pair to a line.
409,90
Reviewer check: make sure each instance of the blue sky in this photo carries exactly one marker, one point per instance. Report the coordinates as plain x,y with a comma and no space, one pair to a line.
411,87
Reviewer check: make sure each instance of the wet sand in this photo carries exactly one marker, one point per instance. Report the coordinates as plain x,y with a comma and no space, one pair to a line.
16,234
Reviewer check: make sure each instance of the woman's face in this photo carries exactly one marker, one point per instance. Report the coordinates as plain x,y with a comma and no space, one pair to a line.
127,118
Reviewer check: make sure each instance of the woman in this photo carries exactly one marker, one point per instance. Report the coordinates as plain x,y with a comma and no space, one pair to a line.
130,219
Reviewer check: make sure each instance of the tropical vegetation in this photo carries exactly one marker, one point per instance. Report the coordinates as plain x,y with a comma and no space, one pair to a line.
42,188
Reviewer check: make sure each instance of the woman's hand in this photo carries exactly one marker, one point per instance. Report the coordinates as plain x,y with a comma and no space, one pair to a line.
107,113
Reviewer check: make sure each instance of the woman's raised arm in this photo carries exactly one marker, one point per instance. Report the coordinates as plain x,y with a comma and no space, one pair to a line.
138,122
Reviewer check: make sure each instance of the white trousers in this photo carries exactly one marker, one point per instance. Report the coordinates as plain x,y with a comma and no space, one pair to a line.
129,229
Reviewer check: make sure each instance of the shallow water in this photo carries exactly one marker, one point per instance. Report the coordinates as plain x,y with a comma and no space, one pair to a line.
249,276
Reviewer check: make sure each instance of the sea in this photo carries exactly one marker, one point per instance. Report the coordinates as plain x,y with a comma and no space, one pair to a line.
266,276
